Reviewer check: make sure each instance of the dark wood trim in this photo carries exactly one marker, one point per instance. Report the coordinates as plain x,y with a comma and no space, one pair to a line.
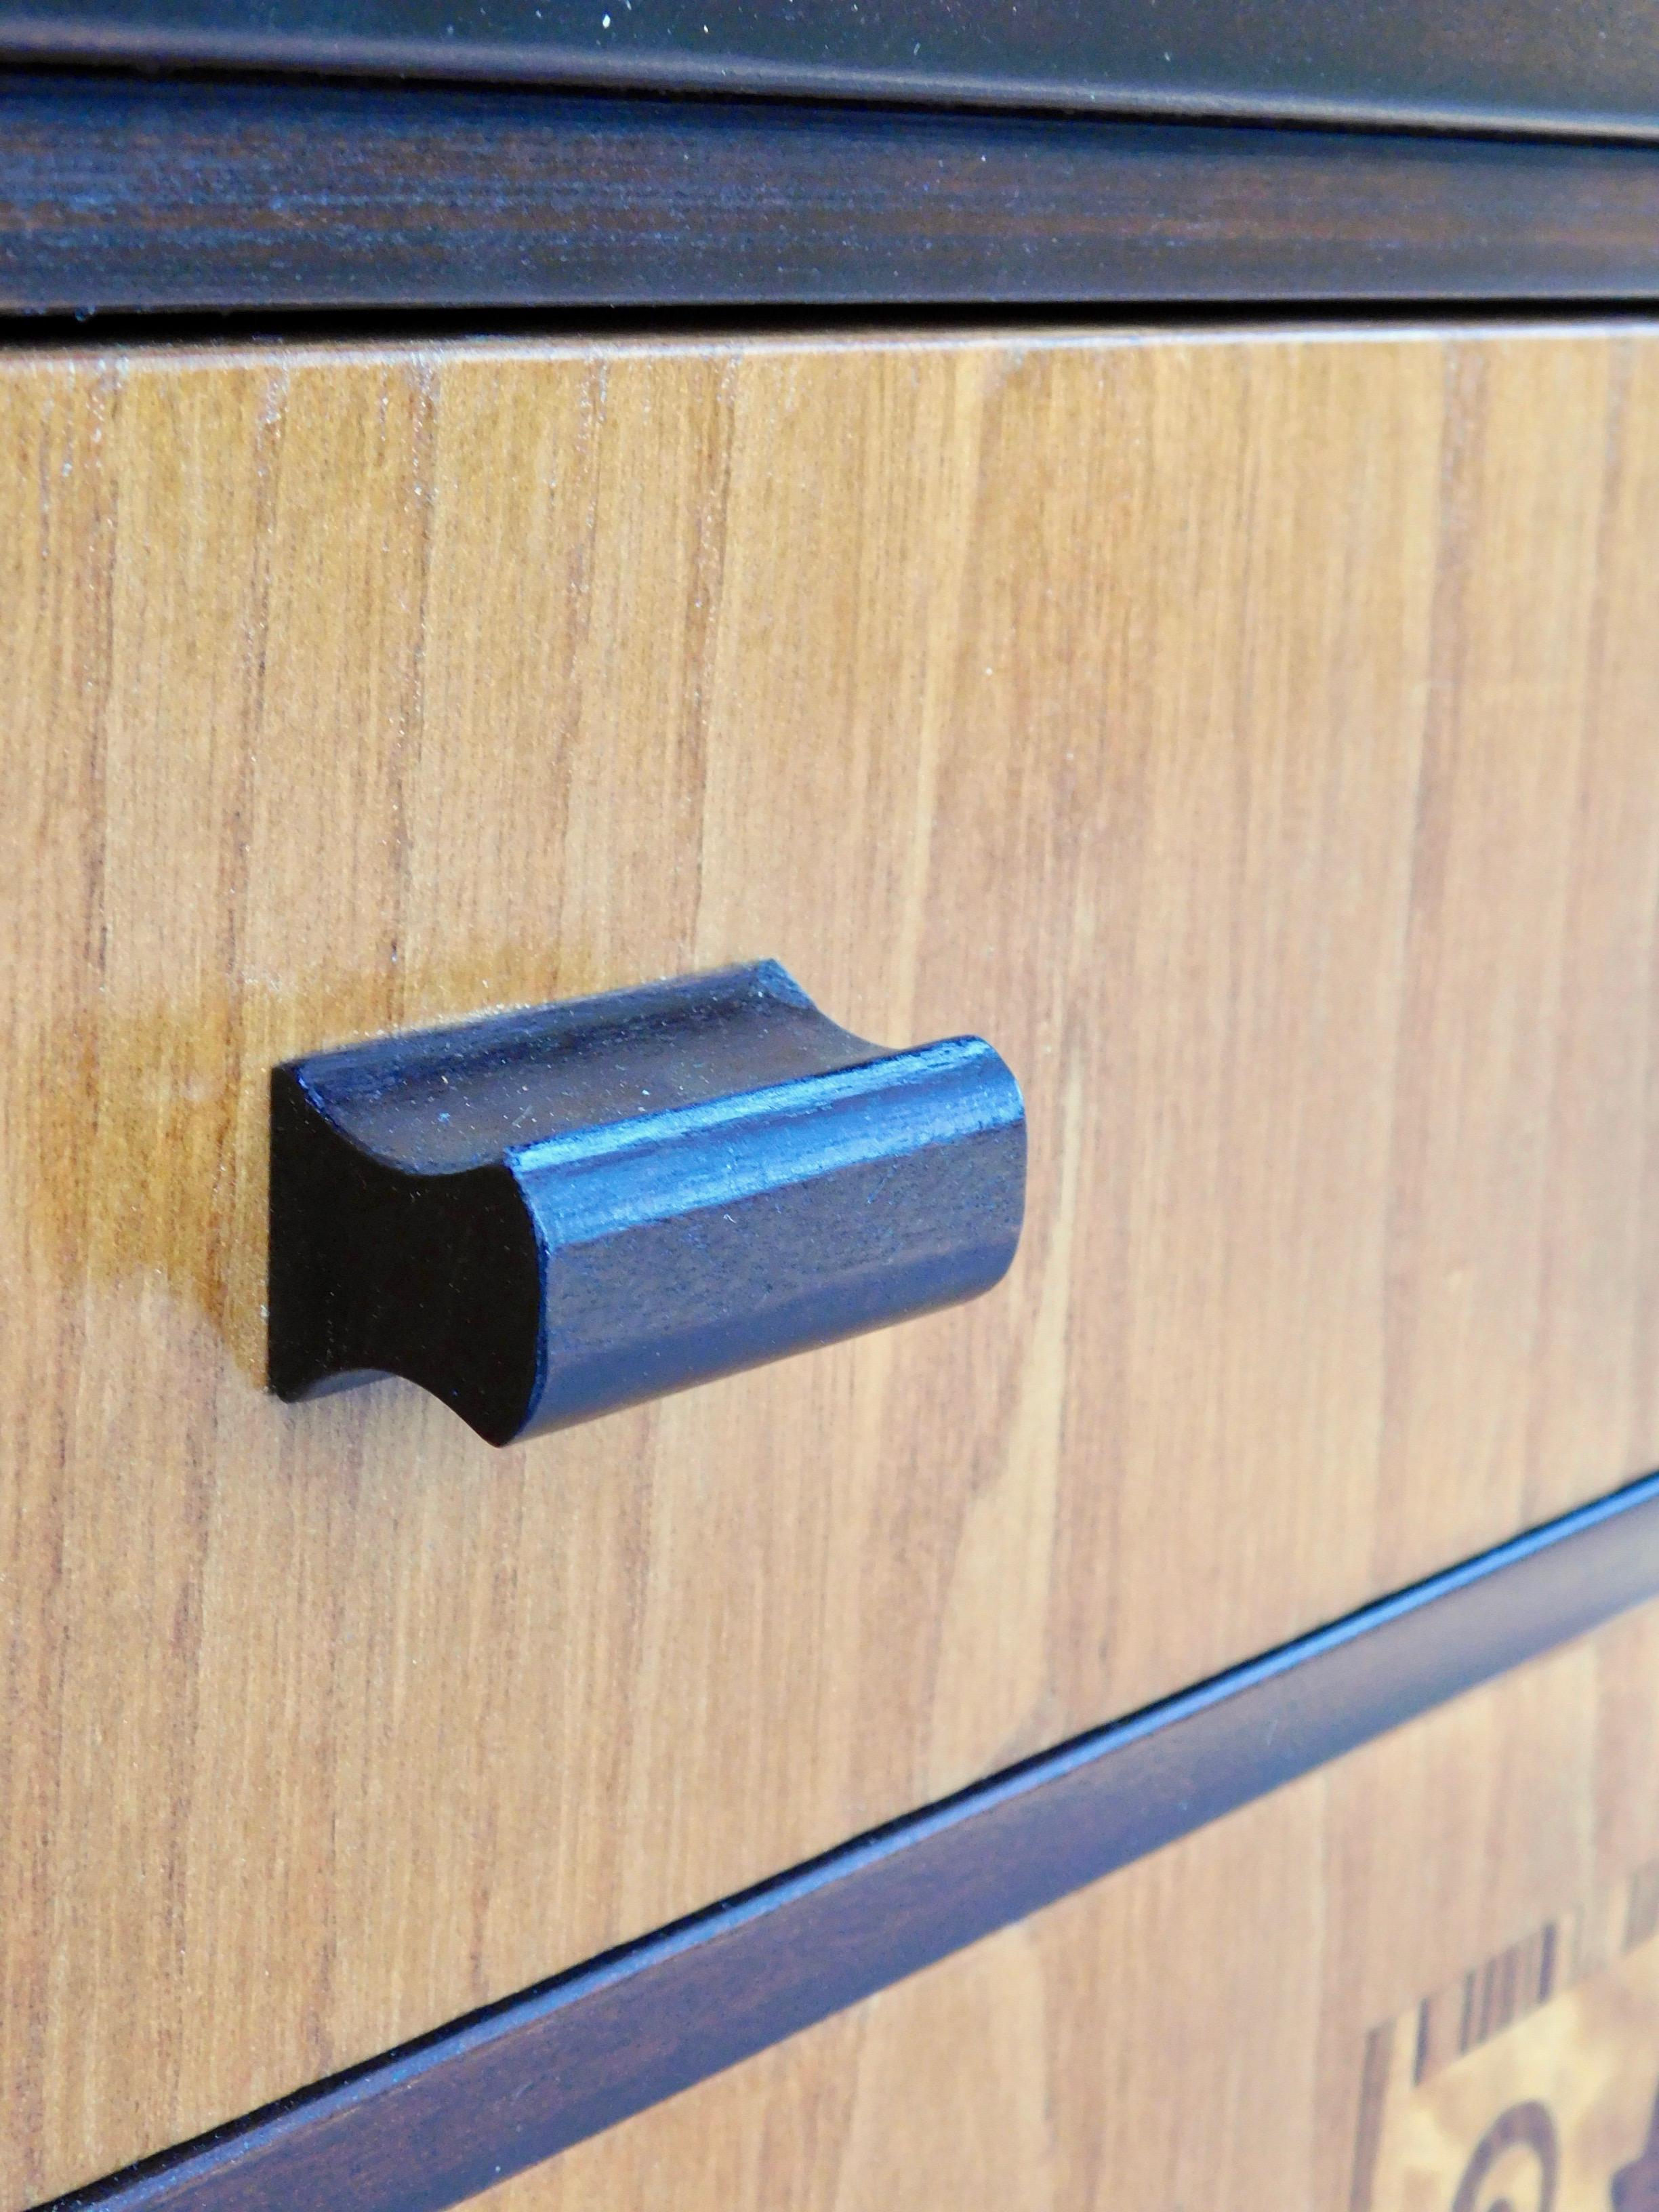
1530,66
429,2125
121,194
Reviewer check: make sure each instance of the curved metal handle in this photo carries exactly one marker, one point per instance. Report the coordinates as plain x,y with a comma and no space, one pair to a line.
541,1216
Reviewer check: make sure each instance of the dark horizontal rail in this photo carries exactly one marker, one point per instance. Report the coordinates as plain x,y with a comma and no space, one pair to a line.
430,2125
121,194
1506,65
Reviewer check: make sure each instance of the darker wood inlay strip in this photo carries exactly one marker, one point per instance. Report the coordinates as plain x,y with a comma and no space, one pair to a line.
126,194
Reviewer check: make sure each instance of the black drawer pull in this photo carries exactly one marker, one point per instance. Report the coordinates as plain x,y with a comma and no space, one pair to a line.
541,1216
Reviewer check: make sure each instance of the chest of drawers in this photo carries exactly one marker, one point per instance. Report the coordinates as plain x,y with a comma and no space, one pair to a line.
1251,731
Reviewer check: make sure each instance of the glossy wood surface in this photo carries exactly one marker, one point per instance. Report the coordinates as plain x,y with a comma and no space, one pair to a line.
1196,2030
1513,65
144,194
1251,735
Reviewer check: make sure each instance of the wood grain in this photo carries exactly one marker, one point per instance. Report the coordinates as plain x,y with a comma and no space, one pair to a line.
1195,2029
429,2125
128,192
1251,735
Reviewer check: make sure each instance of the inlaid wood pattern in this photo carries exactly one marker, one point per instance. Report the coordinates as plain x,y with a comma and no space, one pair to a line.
1204,2028
1251,734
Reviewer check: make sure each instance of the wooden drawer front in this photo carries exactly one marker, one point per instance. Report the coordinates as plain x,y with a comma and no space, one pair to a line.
1337,1997
1251,735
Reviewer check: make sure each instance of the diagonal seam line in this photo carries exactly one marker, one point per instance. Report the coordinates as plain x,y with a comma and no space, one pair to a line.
675,2006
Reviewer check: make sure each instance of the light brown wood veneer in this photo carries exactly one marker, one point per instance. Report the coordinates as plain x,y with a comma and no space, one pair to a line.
1252,734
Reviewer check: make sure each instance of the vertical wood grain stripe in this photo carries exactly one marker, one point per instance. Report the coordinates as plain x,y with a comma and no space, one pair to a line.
427,2126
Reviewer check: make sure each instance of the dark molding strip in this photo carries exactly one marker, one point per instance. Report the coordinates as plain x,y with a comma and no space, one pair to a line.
1514,65
429,2125
125,195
